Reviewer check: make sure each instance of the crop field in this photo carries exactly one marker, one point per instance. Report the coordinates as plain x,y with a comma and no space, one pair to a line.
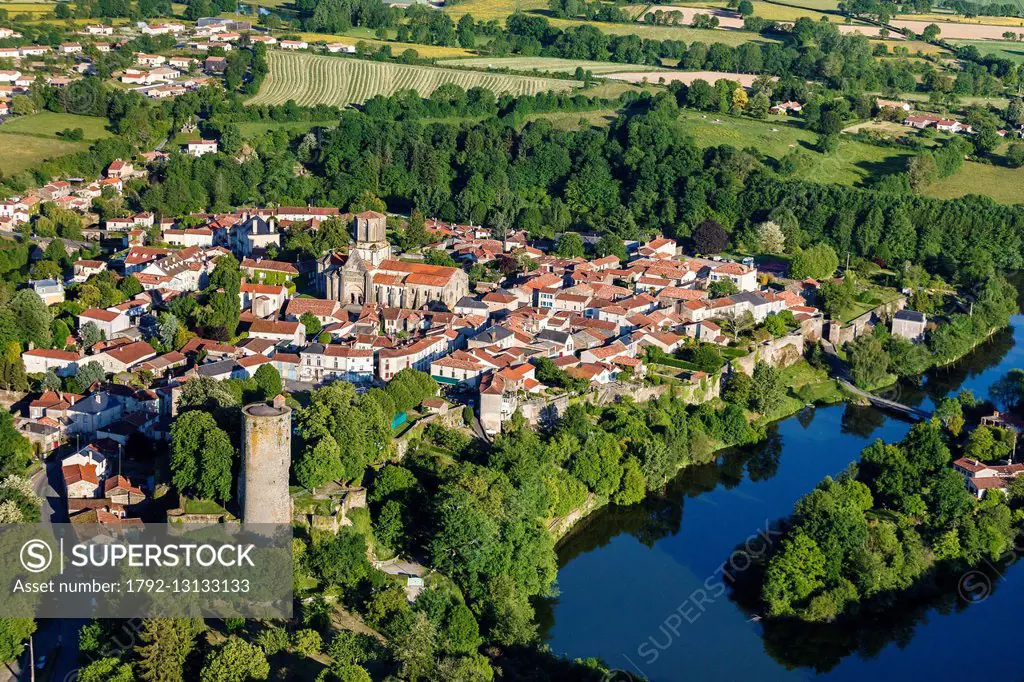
312,79
851,164
357,35
543,64
947,17
494,9
912,46
15,8
650,32
958,30
687,77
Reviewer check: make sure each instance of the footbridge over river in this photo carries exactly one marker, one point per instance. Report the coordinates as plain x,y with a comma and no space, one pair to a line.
841,372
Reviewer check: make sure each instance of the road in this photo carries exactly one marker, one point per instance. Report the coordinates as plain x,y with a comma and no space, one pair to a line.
56,638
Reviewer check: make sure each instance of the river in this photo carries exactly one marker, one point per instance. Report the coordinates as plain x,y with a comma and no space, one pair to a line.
641,587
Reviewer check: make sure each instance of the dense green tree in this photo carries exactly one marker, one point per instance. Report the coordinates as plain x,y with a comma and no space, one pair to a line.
202,456
235,661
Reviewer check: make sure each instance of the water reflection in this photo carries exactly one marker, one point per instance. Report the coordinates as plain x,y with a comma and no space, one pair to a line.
624,570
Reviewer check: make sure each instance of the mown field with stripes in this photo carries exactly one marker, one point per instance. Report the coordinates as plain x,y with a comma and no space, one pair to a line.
315,79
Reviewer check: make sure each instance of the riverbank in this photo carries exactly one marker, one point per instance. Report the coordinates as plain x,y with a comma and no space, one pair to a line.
805,389
629,574
798,376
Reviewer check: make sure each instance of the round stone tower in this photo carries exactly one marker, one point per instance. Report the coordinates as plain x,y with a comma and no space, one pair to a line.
266,458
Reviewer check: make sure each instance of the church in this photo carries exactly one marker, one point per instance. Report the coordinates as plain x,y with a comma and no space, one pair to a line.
369,273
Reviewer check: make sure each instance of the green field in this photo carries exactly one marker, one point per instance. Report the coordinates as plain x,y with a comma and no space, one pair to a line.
48,124
26,141
256,129
543,64
1004,185
312,79
851,164
575,120
1003,49
683,33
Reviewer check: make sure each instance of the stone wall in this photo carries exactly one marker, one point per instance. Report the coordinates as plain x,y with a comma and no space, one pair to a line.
781,352
451,419
839,334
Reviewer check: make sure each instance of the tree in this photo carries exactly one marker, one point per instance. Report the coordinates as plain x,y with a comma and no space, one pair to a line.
130,286
739,101
770,237
235,661
32,318
766,388
201,456
736,388
818,262
307,642
341,560
708,358
721,288
311,322
759,105
89,374
90,334
710,237
989,444
320,464
869,361
930,33
13,632
166,644
12,369
570,245
107,670
611,245
793,574
1015,154
634,484
268,381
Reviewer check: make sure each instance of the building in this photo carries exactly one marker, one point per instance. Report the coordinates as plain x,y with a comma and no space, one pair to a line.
80,480
50,290
266,460
108,322
328,362
40,360
980,477
200,147
370,275
909,324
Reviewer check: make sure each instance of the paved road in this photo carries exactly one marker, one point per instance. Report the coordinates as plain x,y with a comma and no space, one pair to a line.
48,484
57,639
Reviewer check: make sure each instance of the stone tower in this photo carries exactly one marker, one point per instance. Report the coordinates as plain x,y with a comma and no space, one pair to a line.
371,238
266,459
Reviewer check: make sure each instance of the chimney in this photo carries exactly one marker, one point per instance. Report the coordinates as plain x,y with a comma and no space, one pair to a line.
278,401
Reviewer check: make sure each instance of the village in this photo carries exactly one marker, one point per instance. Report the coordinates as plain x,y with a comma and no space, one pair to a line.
553,329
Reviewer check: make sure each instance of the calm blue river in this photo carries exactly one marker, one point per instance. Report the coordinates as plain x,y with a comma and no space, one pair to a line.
641,587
